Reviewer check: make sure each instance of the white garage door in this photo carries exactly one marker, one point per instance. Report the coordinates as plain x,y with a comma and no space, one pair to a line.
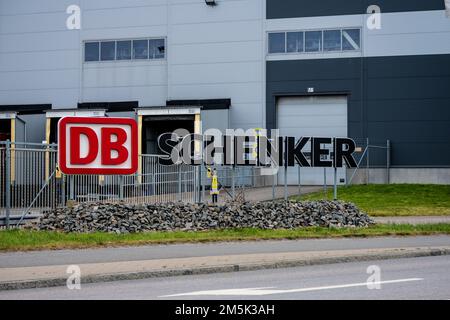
323,116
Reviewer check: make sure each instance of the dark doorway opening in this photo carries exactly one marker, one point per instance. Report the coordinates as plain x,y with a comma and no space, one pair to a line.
154,126
53,130
5,134
5,129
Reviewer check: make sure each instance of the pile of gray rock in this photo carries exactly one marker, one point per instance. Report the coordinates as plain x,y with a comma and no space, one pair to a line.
124,218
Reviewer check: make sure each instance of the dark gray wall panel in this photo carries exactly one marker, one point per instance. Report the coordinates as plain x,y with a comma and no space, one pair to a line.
410,131
354,130
419,154
408,88
409,66
418,110
327,69
404,99
278,9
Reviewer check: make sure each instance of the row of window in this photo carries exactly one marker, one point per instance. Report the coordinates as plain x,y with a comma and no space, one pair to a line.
141,49
315,41
279,42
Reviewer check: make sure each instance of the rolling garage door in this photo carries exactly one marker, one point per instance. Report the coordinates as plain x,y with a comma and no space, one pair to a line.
321,116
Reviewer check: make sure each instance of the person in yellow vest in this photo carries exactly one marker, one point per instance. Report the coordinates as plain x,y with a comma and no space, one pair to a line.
214,186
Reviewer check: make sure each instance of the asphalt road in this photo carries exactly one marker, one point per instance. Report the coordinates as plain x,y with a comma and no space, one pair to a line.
59,257
414,278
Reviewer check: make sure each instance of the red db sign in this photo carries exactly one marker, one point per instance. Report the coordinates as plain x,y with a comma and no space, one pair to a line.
97,145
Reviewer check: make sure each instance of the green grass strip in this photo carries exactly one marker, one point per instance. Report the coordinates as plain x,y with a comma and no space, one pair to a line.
15,240
393,199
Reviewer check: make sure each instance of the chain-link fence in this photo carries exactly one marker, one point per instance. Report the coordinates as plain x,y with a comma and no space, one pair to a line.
373,159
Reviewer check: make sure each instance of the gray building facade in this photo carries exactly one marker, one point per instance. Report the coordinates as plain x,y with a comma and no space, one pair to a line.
376,70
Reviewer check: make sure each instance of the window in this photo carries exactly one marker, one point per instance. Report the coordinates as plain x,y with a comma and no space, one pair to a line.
108,50
277,42
323,41
140,49
123,50
91,51
313,41
295,41
332,40
351,39
156,48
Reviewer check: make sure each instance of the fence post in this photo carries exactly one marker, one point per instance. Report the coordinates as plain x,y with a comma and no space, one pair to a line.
179,182
153,184
335,184
8,182
121,187
299,183
185,181
233,183
325,191
285,183
253,176
63,190
368,162
71,188
194,184
388,160
203,183
201,187
273,185
285,169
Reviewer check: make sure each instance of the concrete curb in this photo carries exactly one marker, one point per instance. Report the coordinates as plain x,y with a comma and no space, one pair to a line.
414,220
388,254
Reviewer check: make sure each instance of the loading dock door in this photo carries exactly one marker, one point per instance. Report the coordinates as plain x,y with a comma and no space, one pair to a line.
154,126
319,116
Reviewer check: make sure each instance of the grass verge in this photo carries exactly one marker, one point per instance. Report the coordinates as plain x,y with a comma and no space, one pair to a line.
393,199
25,240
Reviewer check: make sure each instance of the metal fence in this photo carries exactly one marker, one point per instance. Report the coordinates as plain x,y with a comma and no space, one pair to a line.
374,162
30,182
154,183
234,180
25,179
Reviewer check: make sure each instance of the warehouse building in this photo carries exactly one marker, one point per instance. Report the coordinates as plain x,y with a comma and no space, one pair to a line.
315,68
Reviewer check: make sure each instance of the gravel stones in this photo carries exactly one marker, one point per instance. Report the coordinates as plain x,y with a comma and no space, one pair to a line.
126,218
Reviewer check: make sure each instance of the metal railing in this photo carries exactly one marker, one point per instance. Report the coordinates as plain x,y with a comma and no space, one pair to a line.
234,178
26,179
30,182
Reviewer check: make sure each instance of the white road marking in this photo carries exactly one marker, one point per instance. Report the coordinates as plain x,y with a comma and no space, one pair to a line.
272,290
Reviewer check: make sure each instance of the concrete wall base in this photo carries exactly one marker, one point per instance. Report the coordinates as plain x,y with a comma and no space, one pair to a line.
401,175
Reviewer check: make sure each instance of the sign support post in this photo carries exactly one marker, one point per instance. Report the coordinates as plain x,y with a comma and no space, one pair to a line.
8,182
335,184
388,161
233,183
